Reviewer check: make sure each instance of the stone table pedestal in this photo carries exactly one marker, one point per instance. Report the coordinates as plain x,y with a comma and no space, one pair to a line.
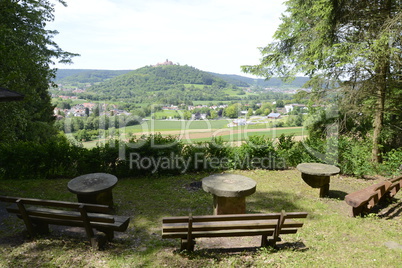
229,192
94,188
317,175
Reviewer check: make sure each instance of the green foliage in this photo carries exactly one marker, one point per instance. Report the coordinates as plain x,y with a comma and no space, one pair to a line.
257,152
354,156
162,84
27,159
26,52
392,164
156,154
83,76
351,50
233,110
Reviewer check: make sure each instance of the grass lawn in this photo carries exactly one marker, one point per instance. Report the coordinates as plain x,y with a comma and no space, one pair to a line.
166,125
329,237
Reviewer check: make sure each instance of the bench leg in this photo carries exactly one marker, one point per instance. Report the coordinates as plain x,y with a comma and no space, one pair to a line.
357,211
272,242
184,245
264,241
109,234
97,241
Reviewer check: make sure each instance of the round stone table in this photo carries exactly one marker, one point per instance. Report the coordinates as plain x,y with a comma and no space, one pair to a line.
229,192
317,175
94,188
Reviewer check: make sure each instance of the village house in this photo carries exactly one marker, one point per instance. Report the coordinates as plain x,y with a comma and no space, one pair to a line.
274,116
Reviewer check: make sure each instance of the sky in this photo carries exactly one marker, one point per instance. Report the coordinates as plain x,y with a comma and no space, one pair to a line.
210,35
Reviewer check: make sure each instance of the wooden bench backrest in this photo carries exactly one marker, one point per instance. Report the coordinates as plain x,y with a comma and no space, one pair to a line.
200,225
60,204
233,217
38,209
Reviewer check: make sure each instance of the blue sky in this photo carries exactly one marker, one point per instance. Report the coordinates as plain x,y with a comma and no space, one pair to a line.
211,35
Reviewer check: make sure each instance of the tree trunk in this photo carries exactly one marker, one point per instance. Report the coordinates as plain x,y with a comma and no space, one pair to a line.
382,74
379,116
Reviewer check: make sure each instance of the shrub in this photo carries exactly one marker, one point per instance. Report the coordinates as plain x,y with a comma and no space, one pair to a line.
354,156
392,162
257,152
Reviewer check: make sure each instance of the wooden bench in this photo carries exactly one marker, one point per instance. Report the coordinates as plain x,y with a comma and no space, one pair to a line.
364,200
37,214
269,226
395,186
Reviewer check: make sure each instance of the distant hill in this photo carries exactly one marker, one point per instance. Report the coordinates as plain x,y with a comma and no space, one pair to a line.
166,83
70,76
243,81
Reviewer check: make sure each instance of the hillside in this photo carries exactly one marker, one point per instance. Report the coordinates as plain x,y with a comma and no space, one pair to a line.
74,76
173,84
166,84
274,82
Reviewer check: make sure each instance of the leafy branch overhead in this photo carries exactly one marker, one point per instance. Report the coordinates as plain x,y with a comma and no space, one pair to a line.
27,52
350,49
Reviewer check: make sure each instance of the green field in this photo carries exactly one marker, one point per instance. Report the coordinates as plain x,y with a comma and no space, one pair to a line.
166,125
244,136
202,130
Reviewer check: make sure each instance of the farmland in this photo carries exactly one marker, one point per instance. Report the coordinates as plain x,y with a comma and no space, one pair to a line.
191,131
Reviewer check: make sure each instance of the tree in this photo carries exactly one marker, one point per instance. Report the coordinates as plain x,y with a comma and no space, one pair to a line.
250,112
233,110
279,104
350,46
26,53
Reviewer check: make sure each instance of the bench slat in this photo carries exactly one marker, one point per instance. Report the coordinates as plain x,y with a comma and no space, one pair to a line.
61,214
228,233
54,203
221,233
234,217
180,227
71,218
118,225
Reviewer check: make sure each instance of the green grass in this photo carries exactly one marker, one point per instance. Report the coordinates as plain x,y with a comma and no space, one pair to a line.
157,126
167,125
244,136
329,237
166,114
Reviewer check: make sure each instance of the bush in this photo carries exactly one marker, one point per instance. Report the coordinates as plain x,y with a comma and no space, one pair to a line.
354,156
257,152
392,163
27,160
168,155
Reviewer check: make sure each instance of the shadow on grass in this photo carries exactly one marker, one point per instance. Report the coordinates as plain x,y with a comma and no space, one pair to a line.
274,201
391,213
336,194
219,253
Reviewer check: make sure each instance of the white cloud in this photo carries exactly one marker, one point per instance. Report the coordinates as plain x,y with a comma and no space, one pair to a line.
212,35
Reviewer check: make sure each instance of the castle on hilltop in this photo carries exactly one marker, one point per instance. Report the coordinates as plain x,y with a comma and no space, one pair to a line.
167,62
